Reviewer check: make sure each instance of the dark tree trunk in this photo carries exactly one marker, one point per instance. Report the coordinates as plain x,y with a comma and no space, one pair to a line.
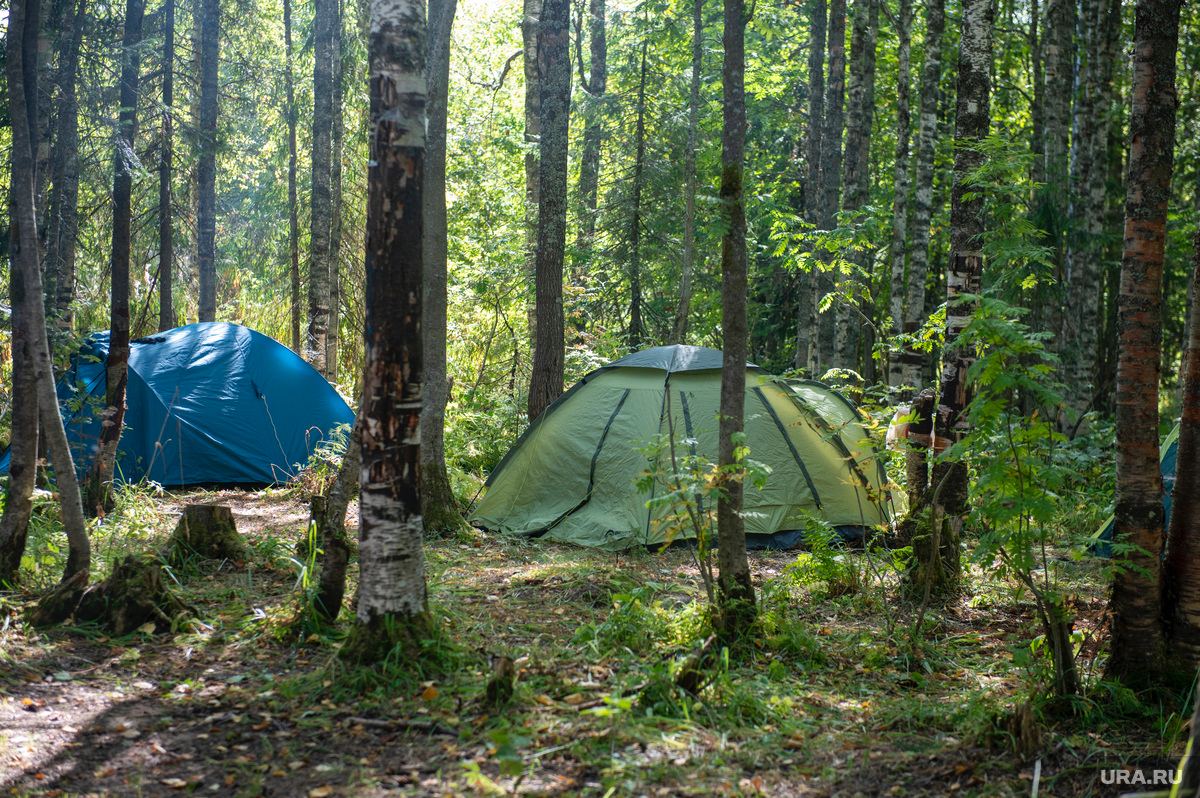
910,363
324,23
808,287
1181,570
683,309
293,203
1136,646
900,171
635,333
735,588
337,138
531,16
29,313
392,604
439,509
831,177
329,513
63,219
964,274
857,176
206,168
593,130
554,79
1037,110
166,236
98,488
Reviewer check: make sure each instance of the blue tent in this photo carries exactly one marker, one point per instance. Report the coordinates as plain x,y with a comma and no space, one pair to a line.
209,403
1169,454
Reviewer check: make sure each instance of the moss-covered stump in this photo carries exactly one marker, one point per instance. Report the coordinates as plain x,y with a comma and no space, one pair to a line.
133,595
205,530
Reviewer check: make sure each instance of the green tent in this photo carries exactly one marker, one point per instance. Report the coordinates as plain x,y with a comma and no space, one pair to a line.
573,475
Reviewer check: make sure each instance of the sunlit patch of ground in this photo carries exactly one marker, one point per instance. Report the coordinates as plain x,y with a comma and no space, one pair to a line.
833,701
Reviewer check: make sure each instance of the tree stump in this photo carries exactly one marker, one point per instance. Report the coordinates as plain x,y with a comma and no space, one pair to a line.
205,530
133,595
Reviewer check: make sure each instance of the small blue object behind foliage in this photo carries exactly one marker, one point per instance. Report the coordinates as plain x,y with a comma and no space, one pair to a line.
209,403
1101,543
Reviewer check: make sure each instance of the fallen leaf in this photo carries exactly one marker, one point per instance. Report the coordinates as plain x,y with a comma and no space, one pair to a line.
320,792
575,699
173,783
544,700
429,693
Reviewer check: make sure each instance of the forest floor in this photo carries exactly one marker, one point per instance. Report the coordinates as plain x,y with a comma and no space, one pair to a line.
833,700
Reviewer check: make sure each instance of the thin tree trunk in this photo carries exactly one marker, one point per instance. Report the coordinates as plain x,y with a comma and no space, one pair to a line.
911,363
808,284
331,527
683,309
1181,569
635,333
531,16
29,314
392,603
1037,110
293,203
964,274
896,251
1136,647
554,80
439,508
23,447
857,176
593,131
1090,177
324,21
63,222
831,178
206,169
1055,196
98,497
337,137
735,589
166,235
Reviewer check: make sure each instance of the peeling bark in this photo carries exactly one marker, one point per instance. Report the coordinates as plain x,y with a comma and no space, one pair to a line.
1137,644
319,270
392,601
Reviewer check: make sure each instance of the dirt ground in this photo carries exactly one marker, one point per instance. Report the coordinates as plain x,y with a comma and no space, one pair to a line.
234,706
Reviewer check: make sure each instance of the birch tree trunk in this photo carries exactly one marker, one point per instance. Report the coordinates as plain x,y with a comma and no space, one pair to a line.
909,363
166,234
635,332
98,498
808,284
683,309
896,249
319,270
593,131
1137,646
1090,175
554,81
1181,569
293,203
736,611
964,274
62,224
29,313
392,602
206,169
857,164
439,508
